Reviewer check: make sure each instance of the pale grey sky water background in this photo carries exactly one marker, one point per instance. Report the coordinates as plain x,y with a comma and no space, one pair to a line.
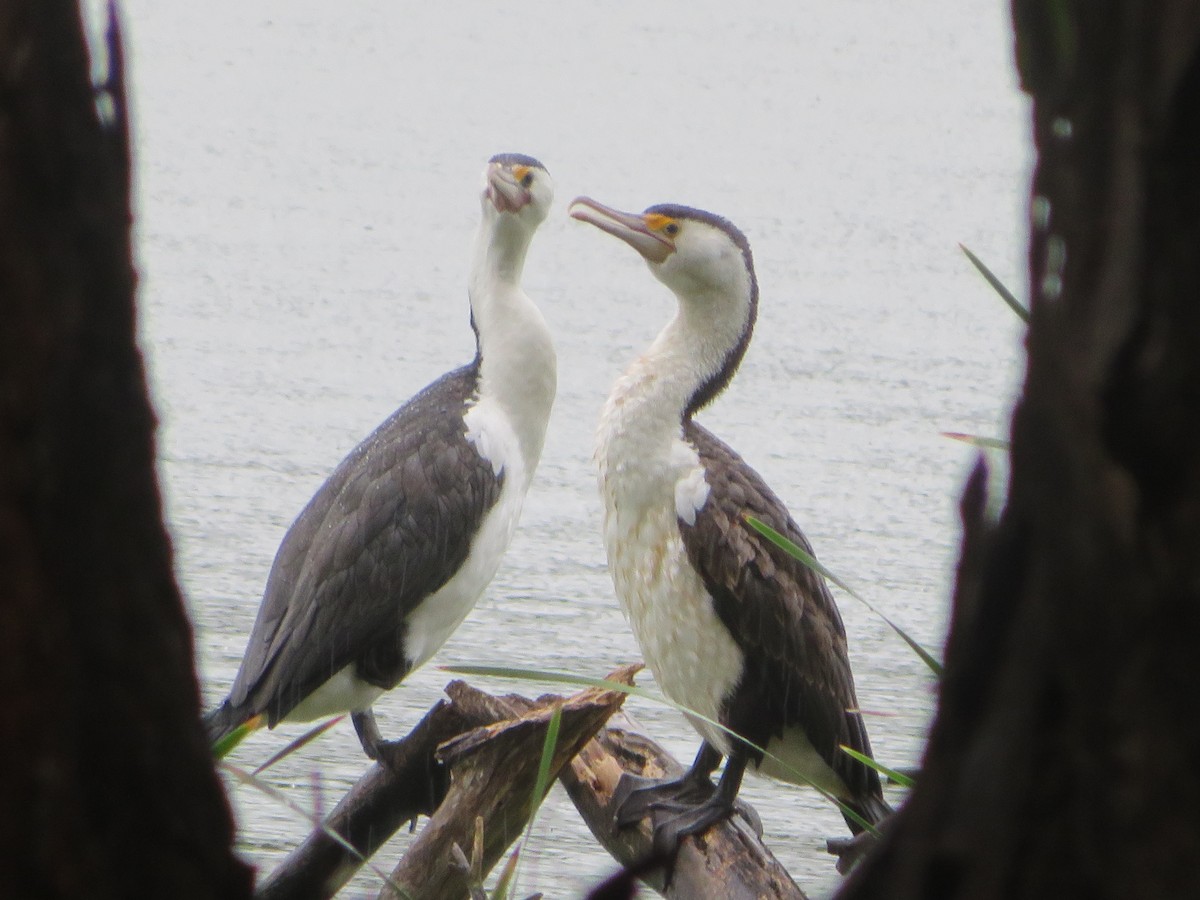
307,193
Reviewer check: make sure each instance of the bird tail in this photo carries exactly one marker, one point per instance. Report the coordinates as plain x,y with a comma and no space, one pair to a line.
227,725
873,808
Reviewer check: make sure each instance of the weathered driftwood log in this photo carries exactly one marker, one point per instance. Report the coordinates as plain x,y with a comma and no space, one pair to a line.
494,774
493,746
390,794
727,862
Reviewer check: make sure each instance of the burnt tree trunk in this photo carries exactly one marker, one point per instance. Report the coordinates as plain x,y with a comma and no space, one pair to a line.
106,783
1062,760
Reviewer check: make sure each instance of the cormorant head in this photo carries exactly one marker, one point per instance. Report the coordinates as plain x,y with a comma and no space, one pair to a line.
691,251
706,262
517,188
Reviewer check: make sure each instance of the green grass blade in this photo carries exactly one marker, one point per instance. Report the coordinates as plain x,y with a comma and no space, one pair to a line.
549,745
997,285
310,735
506,882
809,560
898,777
541,787
983,443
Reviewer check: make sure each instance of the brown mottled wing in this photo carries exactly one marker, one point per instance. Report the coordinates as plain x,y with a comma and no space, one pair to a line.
389,527
797,671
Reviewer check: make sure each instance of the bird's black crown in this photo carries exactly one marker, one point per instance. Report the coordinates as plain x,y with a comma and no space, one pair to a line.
517,159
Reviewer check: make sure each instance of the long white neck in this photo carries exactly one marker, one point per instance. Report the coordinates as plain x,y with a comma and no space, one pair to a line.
518,366
644,412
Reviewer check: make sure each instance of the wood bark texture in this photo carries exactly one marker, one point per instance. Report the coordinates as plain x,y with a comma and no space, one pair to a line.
107,787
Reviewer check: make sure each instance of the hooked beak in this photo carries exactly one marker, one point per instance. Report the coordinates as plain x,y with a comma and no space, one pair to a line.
629,227
504,188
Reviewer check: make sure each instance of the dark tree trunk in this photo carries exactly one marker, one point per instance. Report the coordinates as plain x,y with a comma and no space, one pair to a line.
1062,762
106,784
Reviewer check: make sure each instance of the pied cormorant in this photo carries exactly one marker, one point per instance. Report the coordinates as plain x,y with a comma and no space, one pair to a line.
732,627
397,545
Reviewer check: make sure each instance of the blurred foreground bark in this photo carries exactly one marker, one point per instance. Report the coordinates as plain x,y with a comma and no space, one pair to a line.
1061,763
106,784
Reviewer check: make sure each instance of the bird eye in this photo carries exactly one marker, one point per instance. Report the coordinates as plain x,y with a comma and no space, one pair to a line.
527,181
671,229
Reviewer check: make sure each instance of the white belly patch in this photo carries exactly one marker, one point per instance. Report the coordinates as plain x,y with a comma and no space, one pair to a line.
693,656
796,761
431,624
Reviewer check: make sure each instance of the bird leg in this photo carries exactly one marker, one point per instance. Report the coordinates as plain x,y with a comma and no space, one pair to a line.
635,796
680,821
368,732
437,777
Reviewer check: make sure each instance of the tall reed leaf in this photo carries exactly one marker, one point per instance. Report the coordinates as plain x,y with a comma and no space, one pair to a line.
311,734
997,285
809,560
507,882
898,777
974,440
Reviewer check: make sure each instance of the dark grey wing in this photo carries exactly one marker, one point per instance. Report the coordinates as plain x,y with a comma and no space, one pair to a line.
797,669
389,527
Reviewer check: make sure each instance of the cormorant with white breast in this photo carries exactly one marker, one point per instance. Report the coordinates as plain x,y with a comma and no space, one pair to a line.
397,545
732,627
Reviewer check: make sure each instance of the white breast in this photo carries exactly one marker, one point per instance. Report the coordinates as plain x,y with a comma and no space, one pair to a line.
431,624
693,656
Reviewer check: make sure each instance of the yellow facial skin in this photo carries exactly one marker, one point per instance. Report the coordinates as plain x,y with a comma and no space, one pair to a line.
660,224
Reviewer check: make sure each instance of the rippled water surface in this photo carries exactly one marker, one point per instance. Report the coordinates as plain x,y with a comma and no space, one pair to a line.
307,197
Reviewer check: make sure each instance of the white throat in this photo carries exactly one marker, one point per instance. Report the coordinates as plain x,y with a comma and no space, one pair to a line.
644,412
518,369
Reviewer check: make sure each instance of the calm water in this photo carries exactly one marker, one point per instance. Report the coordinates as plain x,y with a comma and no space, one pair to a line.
307,196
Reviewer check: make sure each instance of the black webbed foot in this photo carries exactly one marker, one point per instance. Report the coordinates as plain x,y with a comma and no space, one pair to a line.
635,797
686,805
672,824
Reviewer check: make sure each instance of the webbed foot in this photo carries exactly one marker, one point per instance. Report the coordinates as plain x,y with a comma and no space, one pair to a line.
636,797
672,823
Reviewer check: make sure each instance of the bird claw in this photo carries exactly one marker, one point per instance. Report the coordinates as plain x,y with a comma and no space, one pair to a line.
684,821
750,815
